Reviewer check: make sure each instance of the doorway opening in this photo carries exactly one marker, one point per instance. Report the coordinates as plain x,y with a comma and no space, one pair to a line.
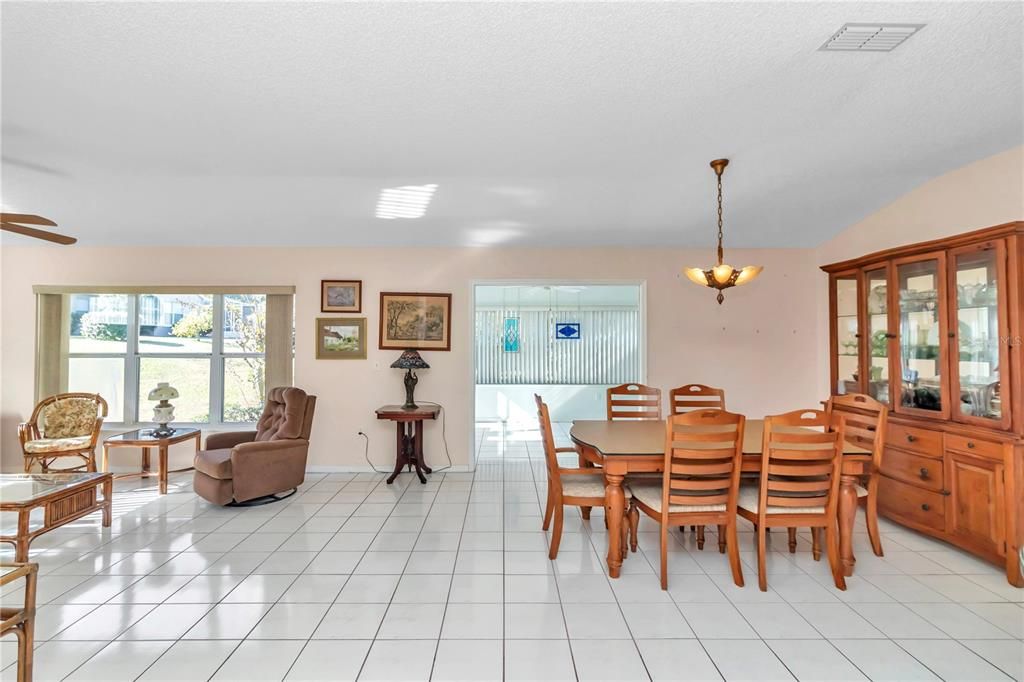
565,342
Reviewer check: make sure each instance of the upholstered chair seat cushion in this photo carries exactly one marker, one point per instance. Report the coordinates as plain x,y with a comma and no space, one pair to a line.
650,494
58,444
69,418
214,463
749,500
584,485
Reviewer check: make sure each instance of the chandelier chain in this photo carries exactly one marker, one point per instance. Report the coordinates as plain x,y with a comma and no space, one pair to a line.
720,254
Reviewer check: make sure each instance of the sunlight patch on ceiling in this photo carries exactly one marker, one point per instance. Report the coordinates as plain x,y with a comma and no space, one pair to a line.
410,201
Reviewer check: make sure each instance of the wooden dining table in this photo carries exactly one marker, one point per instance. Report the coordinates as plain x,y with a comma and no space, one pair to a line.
630,447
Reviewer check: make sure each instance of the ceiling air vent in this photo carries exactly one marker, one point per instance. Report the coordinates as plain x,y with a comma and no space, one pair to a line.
869,37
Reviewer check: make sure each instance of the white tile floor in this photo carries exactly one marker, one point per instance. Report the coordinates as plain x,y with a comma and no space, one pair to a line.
354,579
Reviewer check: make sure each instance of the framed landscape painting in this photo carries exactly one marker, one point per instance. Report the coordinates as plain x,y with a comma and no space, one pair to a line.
341,338
341,296
415,321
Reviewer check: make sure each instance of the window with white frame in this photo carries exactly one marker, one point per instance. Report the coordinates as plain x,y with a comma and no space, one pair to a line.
211,347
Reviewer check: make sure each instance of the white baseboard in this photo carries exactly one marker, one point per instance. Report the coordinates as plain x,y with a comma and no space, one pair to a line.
345,469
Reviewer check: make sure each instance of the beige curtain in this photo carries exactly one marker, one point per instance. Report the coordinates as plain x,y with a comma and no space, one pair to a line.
52,331
279,356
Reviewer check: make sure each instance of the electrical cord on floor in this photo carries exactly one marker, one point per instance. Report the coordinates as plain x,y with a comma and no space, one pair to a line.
444,435
444,439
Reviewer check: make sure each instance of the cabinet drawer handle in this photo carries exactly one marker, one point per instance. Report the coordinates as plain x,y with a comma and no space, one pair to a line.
924,474
926,507
970,445
911,438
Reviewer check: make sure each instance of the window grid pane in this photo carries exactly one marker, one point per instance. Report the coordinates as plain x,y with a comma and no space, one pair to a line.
175,324
99,324
244,390
210,347
191,376
103,375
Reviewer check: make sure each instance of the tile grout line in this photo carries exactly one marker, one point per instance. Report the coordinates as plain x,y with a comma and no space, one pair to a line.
451,582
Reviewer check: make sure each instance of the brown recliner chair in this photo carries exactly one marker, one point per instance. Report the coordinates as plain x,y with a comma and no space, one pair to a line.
256,466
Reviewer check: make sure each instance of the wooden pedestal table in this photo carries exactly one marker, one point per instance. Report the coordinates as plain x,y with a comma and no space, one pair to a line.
629,447
409,446
144,439
21,620
62,498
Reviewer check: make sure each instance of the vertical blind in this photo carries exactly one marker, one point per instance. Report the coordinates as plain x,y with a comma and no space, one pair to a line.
607,352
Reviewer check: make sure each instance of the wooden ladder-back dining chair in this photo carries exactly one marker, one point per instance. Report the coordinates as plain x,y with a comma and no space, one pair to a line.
696,397
701,480
801,459
634,401
582,488
866,423
63,425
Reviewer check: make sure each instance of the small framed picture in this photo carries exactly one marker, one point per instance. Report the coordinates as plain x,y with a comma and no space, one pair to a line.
415,321
341,338
341,296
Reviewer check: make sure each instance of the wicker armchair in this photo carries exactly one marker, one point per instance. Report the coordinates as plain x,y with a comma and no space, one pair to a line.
63,425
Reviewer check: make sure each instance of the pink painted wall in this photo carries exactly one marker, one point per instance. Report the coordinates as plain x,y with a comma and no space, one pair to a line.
766,346
761,345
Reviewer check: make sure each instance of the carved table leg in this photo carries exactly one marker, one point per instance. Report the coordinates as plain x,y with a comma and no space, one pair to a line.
847,516
145,462
399,452
415,451
418,442
615,507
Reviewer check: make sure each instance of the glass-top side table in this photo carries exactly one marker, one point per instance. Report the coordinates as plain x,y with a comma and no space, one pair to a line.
146,439
62,498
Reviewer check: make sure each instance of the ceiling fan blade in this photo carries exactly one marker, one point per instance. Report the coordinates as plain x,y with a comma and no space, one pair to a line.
38,234
27,218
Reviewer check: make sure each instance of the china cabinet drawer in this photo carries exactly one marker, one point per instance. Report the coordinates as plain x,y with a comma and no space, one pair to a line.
923,472
922,441
917,505
974,446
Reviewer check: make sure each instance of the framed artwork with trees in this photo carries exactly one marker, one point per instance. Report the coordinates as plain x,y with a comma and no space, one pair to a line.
415,321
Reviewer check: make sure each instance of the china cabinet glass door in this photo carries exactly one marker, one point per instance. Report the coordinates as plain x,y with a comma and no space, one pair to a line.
921,336
977,291
846,367
877,336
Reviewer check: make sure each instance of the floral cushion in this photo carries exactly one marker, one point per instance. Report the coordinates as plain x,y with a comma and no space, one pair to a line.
69,418
57,444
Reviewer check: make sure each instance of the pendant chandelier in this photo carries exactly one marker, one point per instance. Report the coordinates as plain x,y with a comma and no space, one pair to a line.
722,276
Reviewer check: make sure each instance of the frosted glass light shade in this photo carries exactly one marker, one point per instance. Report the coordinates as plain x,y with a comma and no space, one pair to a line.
748,273
163,391
722,272
696,275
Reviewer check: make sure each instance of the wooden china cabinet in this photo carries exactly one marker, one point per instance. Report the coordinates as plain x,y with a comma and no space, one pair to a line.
934,330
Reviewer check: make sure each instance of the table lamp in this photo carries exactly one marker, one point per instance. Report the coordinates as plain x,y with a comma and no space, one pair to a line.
163,411
410,360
